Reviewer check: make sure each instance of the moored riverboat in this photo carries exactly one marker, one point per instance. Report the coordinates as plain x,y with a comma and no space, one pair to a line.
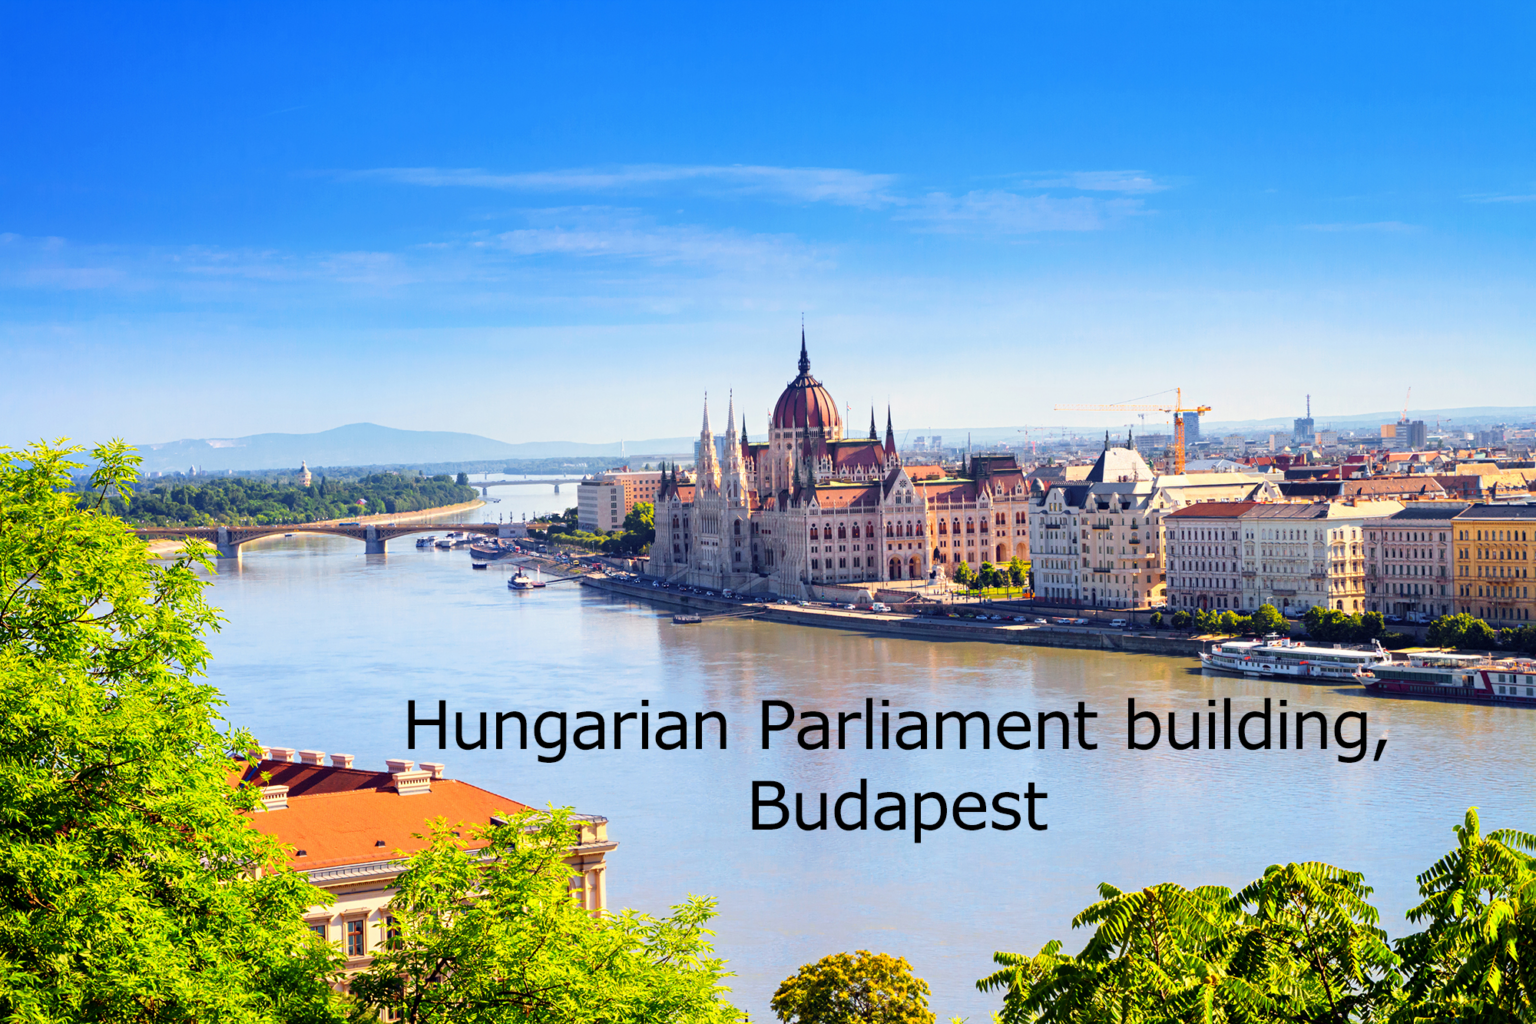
1463,677
1283,658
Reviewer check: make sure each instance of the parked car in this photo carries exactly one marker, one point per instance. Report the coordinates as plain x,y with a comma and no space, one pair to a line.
879,607
1118,623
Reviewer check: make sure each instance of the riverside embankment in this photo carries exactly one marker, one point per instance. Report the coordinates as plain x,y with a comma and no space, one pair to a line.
916,627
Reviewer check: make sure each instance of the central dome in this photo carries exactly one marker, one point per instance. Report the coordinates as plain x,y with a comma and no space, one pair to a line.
805,403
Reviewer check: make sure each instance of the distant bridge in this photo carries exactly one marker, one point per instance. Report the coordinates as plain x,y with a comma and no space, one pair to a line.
485,485
374,536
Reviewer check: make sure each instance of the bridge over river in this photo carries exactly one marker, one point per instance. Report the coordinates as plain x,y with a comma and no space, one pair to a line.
374,536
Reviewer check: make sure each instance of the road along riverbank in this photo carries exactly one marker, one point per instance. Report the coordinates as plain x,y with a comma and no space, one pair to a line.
916,627
168,548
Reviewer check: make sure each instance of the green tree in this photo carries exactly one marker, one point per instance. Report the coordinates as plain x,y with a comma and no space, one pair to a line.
1474,961
854,988
1267,619
1372,625
462,479
1479,636
1018,571
963,574
483,928
128,881
1155,620
1299,944
988,576
1229,622
1181,619
1448,630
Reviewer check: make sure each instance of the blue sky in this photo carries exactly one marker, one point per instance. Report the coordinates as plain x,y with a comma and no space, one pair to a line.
220,220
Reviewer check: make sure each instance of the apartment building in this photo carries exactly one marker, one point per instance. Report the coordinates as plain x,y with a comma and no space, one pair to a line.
1410,560
350,828
1300,556
1495,552
1204,543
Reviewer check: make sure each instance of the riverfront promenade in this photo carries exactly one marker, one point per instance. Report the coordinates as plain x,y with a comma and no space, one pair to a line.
915,627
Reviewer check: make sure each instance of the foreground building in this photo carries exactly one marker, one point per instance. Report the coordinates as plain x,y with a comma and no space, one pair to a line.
810,508
349,828
1301,556
1495,551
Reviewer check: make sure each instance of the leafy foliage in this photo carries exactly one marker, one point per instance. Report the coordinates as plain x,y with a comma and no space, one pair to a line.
484,928
127,882
1267,619
854,988
1476,960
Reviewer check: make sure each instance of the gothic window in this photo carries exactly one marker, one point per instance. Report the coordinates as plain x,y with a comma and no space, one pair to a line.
909,529
842,563
738,527
919,529
814,534
855,531
1002,519
842,532
970,525
855,562
942,528
890,531
815,563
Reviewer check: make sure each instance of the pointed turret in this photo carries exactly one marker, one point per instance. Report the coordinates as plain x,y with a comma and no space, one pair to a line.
873,436
707,469
805,360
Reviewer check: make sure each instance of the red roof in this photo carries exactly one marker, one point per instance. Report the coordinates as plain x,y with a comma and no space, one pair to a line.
805,404
335,817
1214,510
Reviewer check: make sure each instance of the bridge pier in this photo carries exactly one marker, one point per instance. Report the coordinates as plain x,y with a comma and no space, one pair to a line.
372,543
226,548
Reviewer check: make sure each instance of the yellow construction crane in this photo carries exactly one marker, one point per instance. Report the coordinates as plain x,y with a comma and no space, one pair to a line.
1177,408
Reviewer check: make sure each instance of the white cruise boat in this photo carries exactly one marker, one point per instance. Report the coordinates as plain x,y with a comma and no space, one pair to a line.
1468,677
1287,659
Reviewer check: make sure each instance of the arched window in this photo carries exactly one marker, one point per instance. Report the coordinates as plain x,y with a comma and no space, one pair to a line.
855,531
943,529
890,531
909,529
919,529
738,527
814,534
970,524
842,532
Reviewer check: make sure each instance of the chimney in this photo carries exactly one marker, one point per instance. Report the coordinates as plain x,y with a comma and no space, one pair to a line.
312,757
435,768
274,798
410,783
341,760
397,765
281,753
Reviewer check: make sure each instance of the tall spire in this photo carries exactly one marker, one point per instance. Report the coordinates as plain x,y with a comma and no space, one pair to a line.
743,428
805,360
705,429
730,417
873,436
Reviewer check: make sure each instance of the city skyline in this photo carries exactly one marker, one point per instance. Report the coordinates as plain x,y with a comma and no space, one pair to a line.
216,227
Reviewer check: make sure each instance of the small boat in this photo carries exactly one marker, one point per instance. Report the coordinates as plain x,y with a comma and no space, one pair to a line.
477,565
427,541
522,581
686,619
287,535
444,544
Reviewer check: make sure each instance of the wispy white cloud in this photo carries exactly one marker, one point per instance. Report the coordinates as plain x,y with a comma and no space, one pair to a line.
999,212
1497,197
836,185
1126,182
1388,226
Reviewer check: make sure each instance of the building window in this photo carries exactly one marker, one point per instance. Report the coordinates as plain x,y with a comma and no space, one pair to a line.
356,937
319,928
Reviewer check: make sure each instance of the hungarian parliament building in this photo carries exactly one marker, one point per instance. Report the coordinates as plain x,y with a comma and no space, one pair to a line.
810,507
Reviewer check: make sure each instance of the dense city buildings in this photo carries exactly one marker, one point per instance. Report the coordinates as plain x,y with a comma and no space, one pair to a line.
351,828
812,508
1495,551
1410,561
1099,542
1204,545
1301,556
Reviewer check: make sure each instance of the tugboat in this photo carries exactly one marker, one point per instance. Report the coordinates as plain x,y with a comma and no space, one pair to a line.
1469,677
427,541
1283,658
685,619
522,581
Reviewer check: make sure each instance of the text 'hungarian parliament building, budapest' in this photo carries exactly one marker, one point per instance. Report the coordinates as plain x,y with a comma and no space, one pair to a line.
811,507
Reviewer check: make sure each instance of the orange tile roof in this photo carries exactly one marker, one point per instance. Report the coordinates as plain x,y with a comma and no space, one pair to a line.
361,826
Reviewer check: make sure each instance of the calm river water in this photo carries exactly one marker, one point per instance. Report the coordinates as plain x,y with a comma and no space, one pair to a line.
324,645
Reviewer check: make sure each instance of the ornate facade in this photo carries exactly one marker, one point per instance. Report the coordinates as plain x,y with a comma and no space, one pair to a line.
811,507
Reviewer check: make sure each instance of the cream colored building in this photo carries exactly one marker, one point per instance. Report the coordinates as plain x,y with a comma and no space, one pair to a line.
1410,560
352,828
1100,543
603,501
1297,556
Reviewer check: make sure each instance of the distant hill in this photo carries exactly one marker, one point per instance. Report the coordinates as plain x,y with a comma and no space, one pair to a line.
368,444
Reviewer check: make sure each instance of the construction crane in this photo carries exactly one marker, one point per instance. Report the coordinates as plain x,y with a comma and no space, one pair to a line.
1177,408
1406,400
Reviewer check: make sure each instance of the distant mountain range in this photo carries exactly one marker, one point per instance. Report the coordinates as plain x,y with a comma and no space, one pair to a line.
368,444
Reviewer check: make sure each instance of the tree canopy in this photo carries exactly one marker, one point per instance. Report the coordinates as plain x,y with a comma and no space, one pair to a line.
129,881
854,988
483,928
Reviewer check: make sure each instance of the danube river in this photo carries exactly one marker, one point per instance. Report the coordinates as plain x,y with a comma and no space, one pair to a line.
324,645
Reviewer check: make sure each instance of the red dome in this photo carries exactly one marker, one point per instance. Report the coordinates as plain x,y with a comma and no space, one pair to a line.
805,403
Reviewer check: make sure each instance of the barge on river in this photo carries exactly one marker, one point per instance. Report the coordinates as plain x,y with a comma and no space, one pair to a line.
1464,677
1279,658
